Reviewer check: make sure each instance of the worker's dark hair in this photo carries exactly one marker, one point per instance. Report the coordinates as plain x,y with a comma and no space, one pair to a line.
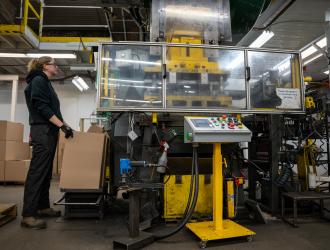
38,63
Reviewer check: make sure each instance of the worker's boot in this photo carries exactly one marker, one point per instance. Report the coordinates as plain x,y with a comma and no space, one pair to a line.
49,212
33,223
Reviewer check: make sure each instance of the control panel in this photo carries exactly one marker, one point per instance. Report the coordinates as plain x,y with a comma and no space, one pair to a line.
224,128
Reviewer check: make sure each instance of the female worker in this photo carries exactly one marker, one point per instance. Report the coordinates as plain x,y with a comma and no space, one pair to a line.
45,119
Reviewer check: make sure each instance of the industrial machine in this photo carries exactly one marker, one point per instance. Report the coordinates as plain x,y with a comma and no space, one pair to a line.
165,97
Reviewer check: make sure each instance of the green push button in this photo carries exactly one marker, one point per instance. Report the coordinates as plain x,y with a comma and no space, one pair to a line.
189,136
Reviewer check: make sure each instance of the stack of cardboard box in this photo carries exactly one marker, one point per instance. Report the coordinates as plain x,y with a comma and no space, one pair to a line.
14,153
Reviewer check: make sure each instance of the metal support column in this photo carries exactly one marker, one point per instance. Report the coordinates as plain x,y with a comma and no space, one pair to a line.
218,188
275,137
327,35
137,239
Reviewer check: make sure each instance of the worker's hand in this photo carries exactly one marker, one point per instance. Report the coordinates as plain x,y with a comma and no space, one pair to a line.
67,131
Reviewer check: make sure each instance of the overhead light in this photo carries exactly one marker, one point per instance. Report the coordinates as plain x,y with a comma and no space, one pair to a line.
312,59
262,39
322,43
14,55
63,56
80,83
307,52
76,83
326,72
312,49
36,55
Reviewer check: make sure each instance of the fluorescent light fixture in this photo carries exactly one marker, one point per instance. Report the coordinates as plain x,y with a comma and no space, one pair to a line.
322,43
262,39
312,59
14,55
326,72
80,83
36,55
259,42
76,83
63,56
311,49
308,52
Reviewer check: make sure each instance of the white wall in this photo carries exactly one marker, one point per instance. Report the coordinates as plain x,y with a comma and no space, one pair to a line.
74,104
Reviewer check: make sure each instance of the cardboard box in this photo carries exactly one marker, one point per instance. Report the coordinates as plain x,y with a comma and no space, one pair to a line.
95,129
83,162
16,170
11,131
13,151
2,171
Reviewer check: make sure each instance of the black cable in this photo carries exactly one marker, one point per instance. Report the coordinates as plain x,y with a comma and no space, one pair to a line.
191,185
191,208
287,21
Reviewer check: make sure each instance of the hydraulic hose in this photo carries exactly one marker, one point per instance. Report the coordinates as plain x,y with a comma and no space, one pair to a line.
190,207
191,188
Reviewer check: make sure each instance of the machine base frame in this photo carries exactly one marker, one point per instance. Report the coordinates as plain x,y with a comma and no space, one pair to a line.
206,230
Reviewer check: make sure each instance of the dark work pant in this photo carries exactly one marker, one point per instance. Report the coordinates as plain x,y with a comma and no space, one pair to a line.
36,192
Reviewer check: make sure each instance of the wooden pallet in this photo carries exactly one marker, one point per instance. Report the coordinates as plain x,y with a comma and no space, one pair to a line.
8,212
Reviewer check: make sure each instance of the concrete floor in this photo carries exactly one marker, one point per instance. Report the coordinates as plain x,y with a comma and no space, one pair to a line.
90,234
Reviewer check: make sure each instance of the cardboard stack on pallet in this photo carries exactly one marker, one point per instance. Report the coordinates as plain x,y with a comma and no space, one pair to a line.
14,153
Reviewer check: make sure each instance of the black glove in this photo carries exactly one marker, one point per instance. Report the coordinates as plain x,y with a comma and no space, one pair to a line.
67,131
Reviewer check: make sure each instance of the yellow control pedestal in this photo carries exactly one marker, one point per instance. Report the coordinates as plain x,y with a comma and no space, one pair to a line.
218,228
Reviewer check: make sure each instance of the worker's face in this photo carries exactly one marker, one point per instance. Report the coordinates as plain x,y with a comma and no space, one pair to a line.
51,68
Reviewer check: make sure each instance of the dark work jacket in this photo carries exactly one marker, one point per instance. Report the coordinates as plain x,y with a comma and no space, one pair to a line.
41,99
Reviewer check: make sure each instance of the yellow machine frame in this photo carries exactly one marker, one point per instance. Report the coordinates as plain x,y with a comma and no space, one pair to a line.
176,197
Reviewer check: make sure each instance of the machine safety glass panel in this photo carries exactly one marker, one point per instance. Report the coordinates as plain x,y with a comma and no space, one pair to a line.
205,78
130,77
275,81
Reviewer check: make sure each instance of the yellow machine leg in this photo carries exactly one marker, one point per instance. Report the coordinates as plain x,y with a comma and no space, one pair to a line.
217,189
218,228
